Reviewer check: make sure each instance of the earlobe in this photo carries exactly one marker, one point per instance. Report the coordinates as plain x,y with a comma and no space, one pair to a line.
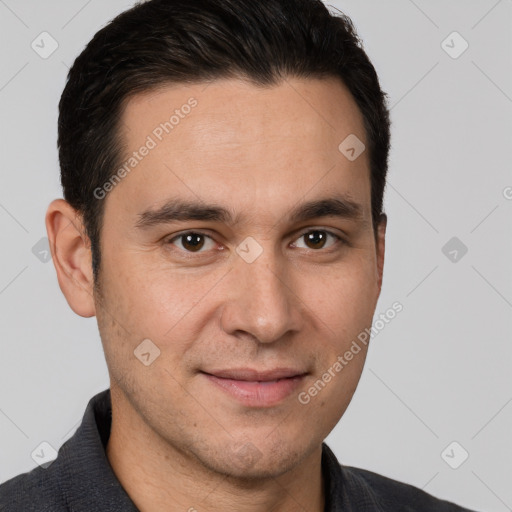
71,255
381,247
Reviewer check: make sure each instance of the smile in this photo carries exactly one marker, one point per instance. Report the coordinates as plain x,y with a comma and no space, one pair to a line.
257,389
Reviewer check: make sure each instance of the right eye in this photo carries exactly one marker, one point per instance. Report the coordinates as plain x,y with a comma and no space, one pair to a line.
191,241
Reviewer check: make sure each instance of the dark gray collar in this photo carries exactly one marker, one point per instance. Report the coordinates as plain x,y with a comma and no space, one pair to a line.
90,482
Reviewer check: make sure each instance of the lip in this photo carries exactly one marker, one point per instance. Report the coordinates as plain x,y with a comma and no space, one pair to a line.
255,388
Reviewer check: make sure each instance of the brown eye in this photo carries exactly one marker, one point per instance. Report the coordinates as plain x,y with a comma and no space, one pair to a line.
315,239
191,241
318,239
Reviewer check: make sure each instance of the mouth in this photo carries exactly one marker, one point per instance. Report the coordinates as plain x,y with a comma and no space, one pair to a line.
255,388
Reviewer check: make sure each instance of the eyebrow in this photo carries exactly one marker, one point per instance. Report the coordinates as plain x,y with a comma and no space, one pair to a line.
179,210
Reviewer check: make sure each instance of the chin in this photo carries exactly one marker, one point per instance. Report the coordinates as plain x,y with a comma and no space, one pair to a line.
245,461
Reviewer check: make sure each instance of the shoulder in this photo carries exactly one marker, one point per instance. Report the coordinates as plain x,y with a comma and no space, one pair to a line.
391,495
68,481
35,491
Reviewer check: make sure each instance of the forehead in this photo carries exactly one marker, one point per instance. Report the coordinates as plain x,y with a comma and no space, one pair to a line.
231,141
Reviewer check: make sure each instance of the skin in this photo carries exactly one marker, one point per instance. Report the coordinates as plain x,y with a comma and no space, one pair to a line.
259,152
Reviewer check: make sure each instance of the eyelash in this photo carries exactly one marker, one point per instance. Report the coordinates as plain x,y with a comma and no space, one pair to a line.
338,240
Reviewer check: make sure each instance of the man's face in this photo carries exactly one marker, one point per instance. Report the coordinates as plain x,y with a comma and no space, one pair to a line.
230,314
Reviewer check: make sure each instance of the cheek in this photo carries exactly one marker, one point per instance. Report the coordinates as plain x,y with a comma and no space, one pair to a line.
162,304
343,300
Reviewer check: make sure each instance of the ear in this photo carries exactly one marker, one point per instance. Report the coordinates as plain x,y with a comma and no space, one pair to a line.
72,257
381,246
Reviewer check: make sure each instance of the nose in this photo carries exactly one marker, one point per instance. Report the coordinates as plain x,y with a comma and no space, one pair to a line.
261,300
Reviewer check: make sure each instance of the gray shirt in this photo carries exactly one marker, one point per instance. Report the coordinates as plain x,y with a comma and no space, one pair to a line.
82,480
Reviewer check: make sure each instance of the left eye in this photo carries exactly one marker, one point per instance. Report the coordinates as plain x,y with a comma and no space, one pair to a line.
316,239
193,242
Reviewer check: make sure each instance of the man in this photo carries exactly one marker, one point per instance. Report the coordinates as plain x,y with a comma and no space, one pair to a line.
223,165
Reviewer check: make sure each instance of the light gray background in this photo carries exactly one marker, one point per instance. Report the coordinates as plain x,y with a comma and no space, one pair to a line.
439,372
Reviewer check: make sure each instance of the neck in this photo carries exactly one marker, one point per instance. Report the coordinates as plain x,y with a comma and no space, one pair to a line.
159,477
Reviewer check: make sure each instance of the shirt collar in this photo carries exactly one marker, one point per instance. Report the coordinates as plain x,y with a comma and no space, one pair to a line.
90,482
